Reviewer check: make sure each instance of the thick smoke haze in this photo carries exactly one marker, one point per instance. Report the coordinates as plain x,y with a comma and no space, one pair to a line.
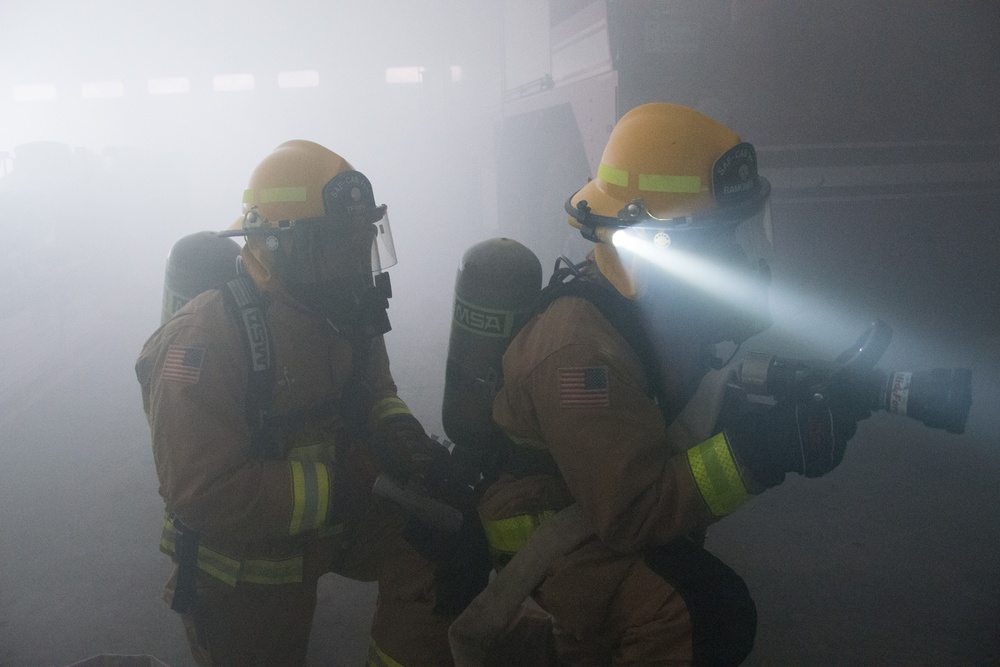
139,171
125,126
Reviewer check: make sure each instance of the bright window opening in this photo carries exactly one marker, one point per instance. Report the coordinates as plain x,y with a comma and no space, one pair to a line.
404,74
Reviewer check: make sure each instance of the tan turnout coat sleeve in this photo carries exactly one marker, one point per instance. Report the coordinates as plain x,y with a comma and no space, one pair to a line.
613,454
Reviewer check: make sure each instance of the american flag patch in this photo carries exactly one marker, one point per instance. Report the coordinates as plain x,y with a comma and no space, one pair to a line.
183,363
584,387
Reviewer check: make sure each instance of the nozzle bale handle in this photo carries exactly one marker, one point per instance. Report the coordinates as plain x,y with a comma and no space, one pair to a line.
939,398
769,375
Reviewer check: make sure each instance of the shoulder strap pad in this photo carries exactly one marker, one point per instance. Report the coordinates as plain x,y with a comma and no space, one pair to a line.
243,302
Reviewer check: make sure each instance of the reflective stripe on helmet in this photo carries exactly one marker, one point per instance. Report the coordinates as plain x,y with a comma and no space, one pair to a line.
650,182
310,496
612,175
717,476
508,535
273,195
663,183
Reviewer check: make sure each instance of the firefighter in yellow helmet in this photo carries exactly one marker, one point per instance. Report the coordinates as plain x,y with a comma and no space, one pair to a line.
601,402
272,410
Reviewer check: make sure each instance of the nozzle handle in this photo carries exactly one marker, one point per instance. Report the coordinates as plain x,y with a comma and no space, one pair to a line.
432,512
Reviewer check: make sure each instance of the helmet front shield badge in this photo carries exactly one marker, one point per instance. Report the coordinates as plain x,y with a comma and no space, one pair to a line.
349,196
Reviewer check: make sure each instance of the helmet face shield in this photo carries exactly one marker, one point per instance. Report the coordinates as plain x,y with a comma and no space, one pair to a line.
327,265
349,195
320,249
352,235
678,211
747,242
383,251
314,232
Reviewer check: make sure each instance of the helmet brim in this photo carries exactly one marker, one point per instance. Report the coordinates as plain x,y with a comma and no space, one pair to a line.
581,206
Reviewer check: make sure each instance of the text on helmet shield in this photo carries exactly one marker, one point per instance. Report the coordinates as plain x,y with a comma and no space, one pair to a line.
348,192
734,175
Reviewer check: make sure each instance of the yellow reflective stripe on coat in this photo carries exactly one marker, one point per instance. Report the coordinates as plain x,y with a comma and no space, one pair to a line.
211,562
310,496
231,571
378,658
509,535
717,476
390,406
272,572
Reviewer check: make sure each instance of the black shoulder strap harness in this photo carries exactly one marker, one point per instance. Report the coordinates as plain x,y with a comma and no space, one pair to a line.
243,301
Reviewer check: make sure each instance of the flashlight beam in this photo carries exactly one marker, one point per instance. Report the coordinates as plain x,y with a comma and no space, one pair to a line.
795,316
720,281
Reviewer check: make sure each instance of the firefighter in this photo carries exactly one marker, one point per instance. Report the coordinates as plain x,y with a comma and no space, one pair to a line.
594,384
272,409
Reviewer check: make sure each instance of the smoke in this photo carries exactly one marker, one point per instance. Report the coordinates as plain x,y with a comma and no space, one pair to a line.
128,167
125,126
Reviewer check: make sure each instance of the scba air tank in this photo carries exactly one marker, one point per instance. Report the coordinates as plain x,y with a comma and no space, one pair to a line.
197,262
496,286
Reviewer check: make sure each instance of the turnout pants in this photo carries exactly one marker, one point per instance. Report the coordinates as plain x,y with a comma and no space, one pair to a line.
677,605
250,624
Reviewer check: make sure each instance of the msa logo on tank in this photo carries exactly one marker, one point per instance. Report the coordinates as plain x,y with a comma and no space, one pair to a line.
483,321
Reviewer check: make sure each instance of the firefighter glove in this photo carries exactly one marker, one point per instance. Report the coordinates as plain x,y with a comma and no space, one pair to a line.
402,448
353,477
806,438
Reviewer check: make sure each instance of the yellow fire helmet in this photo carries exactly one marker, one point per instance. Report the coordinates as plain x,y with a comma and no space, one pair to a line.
309,218
677,179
